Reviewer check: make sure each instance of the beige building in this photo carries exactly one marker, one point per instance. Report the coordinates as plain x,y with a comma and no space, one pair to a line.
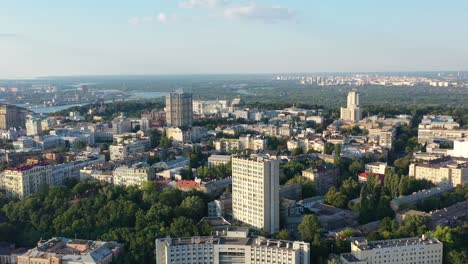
215,160
324,177
421,250
445,170
254,143
234,245
11,116
352,111
428,135
134,175
179,109
255,192
227,145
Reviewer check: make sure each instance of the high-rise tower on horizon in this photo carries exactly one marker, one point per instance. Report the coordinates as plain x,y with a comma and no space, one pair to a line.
352,112
179,109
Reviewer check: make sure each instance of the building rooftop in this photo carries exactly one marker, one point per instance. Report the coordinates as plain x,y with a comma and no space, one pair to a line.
369,245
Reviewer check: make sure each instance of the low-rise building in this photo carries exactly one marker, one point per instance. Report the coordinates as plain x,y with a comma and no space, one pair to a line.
445,170
215,160
402,251
234,245
397,203
324,177
134,175
61,250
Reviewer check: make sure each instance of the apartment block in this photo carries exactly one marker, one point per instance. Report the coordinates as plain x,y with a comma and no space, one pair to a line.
398,251
352,112
255,192
445,170
215,160
134,175
324,177
179,109
234,245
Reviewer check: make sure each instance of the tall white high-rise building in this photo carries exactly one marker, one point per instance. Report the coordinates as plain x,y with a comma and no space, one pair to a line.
179,109
352,111
255,192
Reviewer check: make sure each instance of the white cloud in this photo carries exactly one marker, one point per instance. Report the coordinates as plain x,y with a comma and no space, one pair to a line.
256,12
160,18
202,3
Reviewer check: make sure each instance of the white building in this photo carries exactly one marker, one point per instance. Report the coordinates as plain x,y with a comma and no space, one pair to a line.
215,160
352,111
232,246
396,251
460,148
255,192
134,175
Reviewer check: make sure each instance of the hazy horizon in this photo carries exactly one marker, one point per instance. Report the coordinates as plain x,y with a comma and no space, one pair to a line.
193,37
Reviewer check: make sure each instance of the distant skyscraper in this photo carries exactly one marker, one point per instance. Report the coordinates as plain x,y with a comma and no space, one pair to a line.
11,116
255,192
179,109
352,112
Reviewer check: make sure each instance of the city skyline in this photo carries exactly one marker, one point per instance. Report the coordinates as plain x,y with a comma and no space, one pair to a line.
233,37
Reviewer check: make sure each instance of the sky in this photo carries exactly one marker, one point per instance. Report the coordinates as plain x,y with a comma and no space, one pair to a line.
105,37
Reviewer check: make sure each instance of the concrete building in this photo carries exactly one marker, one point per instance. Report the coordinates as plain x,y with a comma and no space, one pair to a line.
399,202
324,177
227,145
33,126
445,170
134,175
11,116
61,250
376,167
24,180
132,148
460,148
428,135
215,160
179,109
255,192
254,143
399,251
438,122
352,111
234,245
121,125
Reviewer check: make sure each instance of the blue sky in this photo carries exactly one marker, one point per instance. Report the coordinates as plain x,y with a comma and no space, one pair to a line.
81,37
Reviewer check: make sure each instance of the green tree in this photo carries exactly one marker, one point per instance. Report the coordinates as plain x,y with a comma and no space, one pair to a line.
335,198
283,235
183,227
310,229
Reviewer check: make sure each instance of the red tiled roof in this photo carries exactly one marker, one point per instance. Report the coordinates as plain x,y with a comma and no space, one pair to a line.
187,184
366,174
29,166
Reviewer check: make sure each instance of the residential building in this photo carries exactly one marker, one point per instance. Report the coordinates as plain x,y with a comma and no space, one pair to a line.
121,125
179,109
128,149
134,175
227,145
460,148
254,143
215,160
352,111
399,251
255,192
324,177
61,250
399,202
445,170
11,116
438,122
233,245
428,135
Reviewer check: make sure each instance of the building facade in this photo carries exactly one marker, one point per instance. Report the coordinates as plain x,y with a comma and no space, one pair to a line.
179,109
134,175
233,245
255,192
398,251
352,112
445,170
11,116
